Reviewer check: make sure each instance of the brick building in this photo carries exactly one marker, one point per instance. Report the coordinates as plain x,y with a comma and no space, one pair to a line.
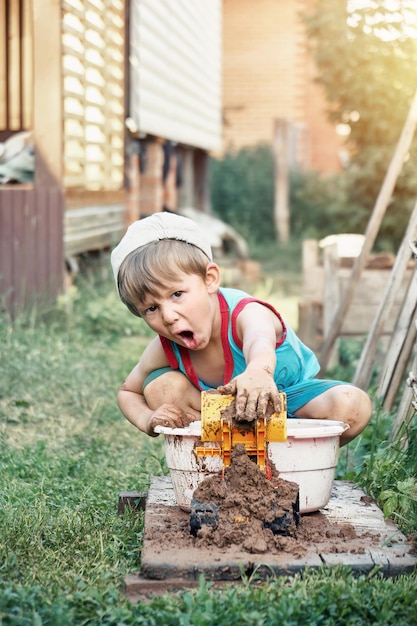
268,75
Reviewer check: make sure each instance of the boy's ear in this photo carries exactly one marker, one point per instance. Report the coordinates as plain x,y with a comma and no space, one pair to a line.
212,277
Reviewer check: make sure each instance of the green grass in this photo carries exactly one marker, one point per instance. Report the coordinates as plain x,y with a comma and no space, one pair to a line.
322,598
66,453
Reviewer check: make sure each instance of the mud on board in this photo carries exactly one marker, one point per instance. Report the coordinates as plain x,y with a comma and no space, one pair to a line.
349,531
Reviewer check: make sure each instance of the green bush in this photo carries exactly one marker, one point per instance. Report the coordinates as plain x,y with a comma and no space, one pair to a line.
242,189
243,196
318,206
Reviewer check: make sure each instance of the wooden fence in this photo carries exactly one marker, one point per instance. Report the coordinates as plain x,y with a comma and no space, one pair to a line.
325,279
31,246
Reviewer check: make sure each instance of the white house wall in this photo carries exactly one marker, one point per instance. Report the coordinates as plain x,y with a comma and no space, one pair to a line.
175,70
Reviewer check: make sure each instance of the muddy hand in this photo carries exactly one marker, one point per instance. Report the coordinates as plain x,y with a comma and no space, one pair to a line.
251,399
170,416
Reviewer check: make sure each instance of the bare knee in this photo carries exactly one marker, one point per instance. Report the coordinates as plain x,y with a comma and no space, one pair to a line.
354,407
343,403
173,388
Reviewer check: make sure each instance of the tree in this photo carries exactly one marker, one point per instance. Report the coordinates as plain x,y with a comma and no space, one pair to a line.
366,57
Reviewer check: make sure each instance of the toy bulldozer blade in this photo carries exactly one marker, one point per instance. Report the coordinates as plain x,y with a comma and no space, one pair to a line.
218,424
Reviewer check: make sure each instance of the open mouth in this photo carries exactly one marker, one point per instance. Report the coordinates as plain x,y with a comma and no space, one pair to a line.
187,337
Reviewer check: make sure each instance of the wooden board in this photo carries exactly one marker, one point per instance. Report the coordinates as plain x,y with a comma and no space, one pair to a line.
93,228
378,543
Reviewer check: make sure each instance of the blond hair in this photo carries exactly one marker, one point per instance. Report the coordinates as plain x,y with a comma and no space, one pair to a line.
145,270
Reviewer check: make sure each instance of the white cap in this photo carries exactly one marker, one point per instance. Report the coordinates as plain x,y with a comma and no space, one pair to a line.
154,228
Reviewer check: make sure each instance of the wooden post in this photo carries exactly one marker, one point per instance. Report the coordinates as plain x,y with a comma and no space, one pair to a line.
398,355
310,309
312,286
281,203
331,295
186,191
400,351
151,190
133,186
202,170
378,213
366,362
406,410
47,86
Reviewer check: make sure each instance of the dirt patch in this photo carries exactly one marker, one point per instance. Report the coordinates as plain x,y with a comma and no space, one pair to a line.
315,533
246,502
244,507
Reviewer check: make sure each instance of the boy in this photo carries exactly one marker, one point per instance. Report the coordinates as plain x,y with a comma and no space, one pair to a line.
212,337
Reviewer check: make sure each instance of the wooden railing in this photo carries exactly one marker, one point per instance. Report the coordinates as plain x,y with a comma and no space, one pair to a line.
16,70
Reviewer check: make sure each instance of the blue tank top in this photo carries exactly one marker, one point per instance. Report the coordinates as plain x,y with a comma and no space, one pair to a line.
295,361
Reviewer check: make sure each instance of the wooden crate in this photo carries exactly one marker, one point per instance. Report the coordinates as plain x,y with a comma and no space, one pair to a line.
325,280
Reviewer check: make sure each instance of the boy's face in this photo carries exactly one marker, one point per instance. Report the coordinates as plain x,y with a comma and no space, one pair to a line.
185,310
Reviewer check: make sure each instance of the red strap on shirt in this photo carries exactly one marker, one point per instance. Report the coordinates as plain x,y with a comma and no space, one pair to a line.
241,305
169,352
227,351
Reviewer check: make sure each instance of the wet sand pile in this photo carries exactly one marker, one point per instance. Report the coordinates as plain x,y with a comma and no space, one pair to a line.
247,503
250,510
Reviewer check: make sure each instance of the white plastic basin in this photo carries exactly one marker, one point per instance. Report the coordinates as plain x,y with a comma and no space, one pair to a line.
187,470
308,458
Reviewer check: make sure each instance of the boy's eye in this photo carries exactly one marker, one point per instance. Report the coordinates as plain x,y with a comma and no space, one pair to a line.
177,294
150,309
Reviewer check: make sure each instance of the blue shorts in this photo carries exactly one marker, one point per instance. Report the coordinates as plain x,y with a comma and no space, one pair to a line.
297,395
